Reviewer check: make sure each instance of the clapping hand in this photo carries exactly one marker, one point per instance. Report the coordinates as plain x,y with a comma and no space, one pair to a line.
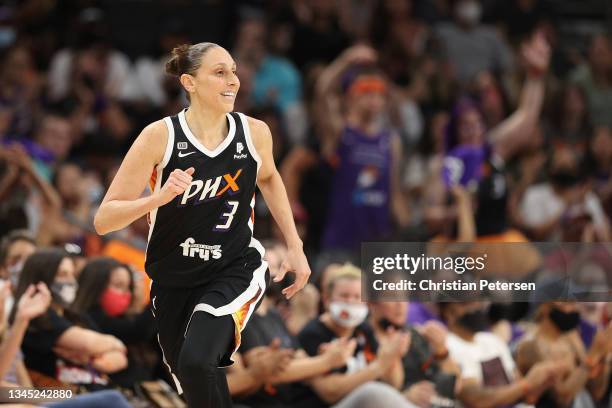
34,302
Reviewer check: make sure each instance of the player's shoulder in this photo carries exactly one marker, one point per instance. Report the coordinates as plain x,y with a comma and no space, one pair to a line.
156,129
257,126
153,139
259,130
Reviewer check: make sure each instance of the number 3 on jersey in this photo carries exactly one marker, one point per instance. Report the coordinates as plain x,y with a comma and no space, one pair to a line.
233,205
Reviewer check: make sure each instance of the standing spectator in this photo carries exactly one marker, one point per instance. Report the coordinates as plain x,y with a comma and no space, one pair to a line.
21,88
471,47
318,35
476,158
108,67
25,196
275,81
366,154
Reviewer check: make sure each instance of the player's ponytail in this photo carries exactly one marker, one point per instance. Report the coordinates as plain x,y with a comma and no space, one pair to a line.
186,59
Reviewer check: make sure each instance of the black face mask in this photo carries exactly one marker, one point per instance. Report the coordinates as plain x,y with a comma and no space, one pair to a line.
512,312
474,321
564,178
385,323
565,321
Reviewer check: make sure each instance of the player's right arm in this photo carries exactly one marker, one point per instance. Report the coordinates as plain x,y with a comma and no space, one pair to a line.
123,203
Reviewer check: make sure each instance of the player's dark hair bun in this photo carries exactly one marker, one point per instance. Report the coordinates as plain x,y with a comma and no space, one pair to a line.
186,58
176,64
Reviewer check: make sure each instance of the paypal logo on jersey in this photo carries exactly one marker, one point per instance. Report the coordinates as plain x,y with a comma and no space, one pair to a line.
212,188
205,252
239,149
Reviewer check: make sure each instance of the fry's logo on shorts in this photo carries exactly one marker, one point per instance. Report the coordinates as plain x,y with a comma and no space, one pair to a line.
212,188
205,252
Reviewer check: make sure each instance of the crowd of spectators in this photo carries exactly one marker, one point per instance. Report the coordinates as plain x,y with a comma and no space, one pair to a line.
400,120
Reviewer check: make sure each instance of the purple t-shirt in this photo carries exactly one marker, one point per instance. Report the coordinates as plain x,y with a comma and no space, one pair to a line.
463,164
360,193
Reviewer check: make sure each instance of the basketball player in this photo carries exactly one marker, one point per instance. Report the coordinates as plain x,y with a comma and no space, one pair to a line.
207,270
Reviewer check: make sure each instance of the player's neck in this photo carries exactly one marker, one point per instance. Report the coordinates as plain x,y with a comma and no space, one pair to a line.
208,127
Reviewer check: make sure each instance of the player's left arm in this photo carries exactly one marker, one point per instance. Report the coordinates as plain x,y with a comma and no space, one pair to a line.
271,185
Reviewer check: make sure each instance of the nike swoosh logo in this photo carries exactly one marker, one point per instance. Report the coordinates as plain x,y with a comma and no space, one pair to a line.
186,154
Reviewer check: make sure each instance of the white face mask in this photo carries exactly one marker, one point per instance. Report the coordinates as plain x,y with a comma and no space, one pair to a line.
348,314
469,12
14,272
65,291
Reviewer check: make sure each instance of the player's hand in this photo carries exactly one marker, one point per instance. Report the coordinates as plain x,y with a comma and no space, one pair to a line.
297,263
178,181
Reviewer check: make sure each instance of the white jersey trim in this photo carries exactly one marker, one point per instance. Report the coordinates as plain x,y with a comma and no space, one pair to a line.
258,282
249,140
159,170
169,144
198,145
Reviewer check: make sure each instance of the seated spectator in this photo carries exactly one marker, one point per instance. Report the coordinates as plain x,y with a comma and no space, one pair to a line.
568,123
429,373
547,210
15,248
555,338
303,306
344,318
33,303
489,377
56,350
599,156
109,297
594,77
279,388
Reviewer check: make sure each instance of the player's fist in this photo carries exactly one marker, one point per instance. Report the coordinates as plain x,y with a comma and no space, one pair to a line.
178,181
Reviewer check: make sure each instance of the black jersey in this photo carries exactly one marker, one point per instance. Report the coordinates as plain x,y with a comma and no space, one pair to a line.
206,234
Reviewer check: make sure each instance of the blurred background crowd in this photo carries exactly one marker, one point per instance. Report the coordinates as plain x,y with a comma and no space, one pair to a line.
408,120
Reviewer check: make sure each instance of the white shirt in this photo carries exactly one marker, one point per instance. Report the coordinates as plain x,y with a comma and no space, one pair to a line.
485,348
